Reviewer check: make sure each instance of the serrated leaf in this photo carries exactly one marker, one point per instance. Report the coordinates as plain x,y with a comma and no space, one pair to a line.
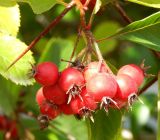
10,48
106,127
9,20
145,32
57,49
149,3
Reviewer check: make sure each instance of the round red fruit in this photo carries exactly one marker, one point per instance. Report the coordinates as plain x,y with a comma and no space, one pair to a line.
40,97
46,73
134,71
102,85
3,123
92,69
70,77
126,87
55,94
86,102
66,109
50,110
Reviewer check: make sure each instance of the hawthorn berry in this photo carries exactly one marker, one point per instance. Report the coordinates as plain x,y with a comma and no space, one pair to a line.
40,97
126,87
12,132
134,71
3,122
102,85
49,109
55,94
66,109
84,105
70,77
92,69
46,73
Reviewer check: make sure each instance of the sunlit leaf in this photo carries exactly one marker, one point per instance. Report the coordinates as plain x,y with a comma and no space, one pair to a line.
10,48
9,20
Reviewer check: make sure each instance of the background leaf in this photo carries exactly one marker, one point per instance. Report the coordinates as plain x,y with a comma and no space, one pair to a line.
106,127
150,3
9,20
38,6
10,47
7,3
57,49
145,32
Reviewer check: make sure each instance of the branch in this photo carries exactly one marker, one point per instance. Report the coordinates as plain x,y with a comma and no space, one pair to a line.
148,85
123,13
44,32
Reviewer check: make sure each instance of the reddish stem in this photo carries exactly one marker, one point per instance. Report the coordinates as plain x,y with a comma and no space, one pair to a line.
148,85
123,13
44,32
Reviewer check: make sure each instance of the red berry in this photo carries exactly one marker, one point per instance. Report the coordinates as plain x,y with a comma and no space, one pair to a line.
70,77
92,69
102,85
55,94
46,73
66,109
86,103
134,72
40,97
126,87
12,130
50,110
3,123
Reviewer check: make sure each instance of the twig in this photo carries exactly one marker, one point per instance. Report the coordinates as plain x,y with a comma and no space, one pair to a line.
44,32
75,45
148,85
123,13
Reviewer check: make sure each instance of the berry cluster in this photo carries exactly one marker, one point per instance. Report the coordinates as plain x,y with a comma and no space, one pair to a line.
9,127
77,91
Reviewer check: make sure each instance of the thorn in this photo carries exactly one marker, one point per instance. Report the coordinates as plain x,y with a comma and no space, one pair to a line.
91,118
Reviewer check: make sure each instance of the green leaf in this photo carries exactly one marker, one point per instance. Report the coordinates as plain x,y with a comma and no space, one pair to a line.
57,49
10,48
7,3
106,28
68,125
145,32
9,20
38,6
149,3
9,94
106,126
